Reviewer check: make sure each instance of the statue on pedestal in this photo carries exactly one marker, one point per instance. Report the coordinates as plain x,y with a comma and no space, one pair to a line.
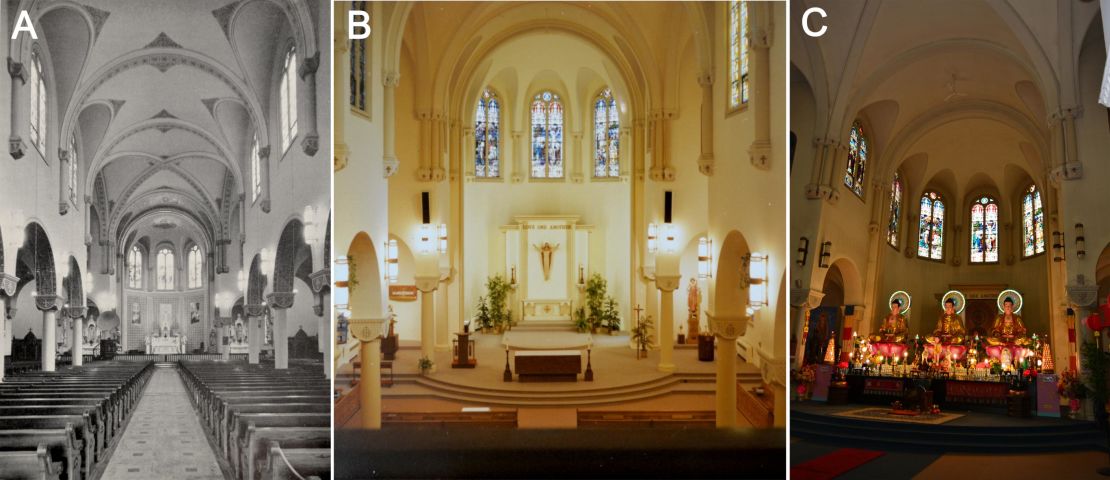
693,305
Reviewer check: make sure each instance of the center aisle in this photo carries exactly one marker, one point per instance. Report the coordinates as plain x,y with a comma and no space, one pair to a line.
164,438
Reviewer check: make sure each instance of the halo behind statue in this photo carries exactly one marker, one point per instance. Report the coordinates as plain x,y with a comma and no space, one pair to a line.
1011,293
961,302
903,297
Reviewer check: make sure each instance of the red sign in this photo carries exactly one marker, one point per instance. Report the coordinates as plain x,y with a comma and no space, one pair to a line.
402,293
882,386
976,392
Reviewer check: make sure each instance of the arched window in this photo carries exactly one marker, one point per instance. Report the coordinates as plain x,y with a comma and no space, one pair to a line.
256,170
73,166
487,136
360,57
930,227
135,267
547,136
984,230
857,159
38,105
738,86
196,267
288,103
1032,222
165,269
894,225
606,136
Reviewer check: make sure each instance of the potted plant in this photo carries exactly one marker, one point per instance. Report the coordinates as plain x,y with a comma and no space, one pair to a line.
641,334
425,365
611,318
581,323
497,291
485,320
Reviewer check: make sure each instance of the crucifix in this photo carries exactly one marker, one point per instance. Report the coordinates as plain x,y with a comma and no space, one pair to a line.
547,252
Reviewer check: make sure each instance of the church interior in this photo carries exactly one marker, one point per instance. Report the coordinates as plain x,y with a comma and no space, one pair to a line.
165,214
952,256
554,218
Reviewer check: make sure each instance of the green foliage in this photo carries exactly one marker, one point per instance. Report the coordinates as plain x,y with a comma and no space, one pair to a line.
497,291
1095,369
483,316
641,333
601,309
581,323
425,364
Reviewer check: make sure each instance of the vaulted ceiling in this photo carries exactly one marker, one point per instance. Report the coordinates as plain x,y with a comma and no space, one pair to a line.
164,99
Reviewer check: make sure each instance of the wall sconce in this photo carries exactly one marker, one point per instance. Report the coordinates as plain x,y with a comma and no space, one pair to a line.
826,253
512,275
755,279
1080,241
341,277
653,238
581,274
267,261
442,238
242,281
803,251
670,241
1058,246
391,265
705,257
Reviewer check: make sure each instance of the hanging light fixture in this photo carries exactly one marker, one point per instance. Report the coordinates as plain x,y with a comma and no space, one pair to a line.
391,264
705,257
442,231
803,251
757,280
652,238
242,281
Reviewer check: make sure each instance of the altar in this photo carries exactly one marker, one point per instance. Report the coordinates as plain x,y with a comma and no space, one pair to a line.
547,260
165,345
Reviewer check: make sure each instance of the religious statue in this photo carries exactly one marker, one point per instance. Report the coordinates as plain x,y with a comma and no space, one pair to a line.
547,252
92,334
212,339
392,320
693,305
238,329
1008,327
950,327
893,328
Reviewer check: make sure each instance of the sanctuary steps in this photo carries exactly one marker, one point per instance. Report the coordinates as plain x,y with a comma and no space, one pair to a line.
545,326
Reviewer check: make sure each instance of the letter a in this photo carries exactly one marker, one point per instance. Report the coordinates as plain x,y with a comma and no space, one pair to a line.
23,24
362,22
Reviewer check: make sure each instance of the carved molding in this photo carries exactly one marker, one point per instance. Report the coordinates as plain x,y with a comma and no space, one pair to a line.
8,284
46,303
773,370
1083,295
727,327
800,297
75,312
15,147
310,144
366,330
254,310
427,284
282,300
321,279
668,283
390,166
760,154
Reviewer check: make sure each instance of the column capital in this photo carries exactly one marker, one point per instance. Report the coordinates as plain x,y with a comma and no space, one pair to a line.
391,79
8,284
667,283
705,79
773,370
46,303
366,329
727,327
320,279
309,66
280,300
803,297
1083,295
16,70
427,284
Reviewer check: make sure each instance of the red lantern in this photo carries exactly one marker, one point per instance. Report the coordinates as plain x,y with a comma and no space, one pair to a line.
1094,322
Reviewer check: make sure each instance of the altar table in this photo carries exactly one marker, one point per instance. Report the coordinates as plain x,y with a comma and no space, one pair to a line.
165,345
548,365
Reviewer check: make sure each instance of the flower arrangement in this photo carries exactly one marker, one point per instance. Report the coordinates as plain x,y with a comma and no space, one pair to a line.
803,379
1071,387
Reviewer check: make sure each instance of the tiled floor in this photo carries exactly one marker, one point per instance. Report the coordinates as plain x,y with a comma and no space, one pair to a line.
164,439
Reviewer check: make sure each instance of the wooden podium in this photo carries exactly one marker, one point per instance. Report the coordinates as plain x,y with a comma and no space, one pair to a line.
463,352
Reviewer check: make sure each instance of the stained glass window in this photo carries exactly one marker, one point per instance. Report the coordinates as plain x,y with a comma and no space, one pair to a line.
547,136
895,223
487,136
606,136
1032,221
857,159
256,170
738,86
984,230
359,63
38,105
73,166
288,104
135,267
165,269
196,267
930,227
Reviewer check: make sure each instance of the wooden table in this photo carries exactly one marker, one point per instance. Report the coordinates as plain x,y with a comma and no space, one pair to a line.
548,365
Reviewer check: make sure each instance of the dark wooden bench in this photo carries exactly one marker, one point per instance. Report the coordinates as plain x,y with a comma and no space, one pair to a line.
293,463
81,425
30,464
59,444
253,457
499,419
597,418
237,434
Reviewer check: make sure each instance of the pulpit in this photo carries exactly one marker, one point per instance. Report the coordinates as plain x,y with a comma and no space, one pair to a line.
463,352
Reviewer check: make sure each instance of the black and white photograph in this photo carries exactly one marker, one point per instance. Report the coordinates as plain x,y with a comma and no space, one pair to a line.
168,163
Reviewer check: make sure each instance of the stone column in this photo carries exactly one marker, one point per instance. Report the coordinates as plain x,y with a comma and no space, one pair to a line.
310,142
264,166
389,153
726,329
760,151
666,284
48,305
279,303
4,342
322,308
254,339
78,348
705,160
427,287
16,147
63,183
369,334
522,160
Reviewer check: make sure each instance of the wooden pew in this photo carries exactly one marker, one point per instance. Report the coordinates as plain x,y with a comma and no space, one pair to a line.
292,463
595,418
95,420
233,412
59,444
30,464
499,419
81,425
238,432
254,457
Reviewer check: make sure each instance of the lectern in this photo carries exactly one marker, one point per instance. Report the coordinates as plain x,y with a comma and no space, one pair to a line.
463,352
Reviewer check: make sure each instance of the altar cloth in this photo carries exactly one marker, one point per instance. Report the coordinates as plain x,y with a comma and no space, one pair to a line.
546,340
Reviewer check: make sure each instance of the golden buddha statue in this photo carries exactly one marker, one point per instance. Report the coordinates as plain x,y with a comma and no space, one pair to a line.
1008,327
950,327
893,327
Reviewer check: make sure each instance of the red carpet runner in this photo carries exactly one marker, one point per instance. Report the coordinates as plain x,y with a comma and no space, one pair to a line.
833,465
